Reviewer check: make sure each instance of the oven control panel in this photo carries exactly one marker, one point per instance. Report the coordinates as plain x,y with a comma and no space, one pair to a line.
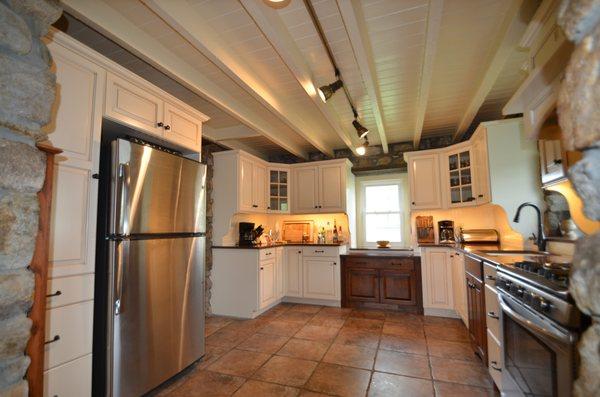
553,307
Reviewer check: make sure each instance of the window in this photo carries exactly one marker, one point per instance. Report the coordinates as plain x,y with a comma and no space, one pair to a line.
381,213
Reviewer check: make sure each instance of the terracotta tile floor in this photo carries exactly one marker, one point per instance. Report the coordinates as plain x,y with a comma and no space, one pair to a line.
305,350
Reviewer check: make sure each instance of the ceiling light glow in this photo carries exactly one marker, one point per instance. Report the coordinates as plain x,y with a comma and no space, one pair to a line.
277,4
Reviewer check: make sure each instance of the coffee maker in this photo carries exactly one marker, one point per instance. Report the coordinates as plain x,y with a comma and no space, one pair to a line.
246,233
446,232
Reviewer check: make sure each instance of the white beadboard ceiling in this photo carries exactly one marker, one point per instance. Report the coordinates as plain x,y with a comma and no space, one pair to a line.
414,68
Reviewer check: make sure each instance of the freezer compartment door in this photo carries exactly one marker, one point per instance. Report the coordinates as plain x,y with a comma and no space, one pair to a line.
155,192
157,311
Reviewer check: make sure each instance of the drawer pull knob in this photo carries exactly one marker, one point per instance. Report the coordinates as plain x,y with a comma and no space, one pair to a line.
493,315
489,277
299,252
262,268
55,339
57,293
159,124
494,365
268,253
334,263
167,127
319,251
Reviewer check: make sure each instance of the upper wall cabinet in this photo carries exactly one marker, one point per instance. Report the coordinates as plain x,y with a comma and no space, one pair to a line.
424,176
321,186
151,111
279,189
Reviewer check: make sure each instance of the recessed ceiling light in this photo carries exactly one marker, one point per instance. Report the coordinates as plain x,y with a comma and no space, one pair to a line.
326,91
361,130
277,3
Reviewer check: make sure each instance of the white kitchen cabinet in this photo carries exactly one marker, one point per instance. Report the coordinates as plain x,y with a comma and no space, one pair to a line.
133,105
182,126
322,186
424,177
279,273
267,282
459,176
481,189
293,271
459,286
72,379
306,189
279,189
437,281
259,186
551,160
321,277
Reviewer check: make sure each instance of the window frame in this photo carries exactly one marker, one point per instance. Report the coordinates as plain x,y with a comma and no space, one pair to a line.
362,213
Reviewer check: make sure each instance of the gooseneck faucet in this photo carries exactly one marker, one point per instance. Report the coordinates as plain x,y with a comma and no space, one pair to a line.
541,238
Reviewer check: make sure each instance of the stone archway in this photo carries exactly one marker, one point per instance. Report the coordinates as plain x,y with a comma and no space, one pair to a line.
579,118
27,89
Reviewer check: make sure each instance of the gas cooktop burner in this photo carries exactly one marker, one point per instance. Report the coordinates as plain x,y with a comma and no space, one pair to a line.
556,272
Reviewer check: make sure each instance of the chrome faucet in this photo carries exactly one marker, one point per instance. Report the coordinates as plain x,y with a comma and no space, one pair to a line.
541,238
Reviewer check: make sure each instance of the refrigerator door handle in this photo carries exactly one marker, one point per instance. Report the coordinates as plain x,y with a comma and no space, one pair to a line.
122,202
121,255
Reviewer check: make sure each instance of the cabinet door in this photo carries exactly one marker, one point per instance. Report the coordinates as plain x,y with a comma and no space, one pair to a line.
245,174
134,106
259,187
321,278
459,286
293,271
460,178
398,287
306,191
424,176
477,321
279,272
279,190
437,280
267,282
362,285
551,163
182,127
481,187
332,195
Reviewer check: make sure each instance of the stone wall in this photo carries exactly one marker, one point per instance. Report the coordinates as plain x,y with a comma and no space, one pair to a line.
579,118
27,89
208,149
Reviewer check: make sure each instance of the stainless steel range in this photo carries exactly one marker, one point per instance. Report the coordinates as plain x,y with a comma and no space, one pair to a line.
540,325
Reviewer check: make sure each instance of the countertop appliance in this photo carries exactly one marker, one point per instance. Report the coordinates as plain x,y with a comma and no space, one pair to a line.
446,232
248,234
540,325
155,325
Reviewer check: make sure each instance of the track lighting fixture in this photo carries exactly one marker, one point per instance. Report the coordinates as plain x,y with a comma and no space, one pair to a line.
326,91
362,149
361,130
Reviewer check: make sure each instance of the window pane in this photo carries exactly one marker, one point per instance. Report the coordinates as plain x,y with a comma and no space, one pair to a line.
382,227
382,198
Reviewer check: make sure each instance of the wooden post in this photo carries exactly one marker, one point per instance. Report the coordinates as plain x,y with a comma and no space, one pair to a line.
39,267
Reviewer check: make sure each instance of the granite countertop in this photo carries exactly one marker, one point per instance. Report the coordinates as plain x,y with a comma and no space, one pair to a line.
275,245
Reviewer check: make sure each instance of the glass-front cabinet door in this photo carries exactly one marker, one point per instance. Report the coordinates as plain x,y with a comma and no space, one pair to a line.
279,190
460,177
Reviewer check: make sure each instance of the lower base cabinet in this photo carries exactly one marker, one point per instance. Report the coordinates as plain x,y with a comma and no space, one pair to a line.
477,316
70,379
382,282
321,278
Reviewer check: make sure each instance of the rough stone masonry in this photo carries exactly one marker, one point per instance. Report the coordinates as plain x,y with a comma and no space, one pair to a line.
27,92
579,117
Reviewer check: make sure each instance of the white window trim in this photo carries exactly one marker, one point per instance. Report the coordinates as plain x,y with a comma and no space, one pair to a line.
361,206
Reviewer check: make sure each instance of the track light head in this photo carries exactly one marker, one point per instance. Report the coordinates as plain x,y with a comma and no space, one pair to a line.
362,149
361,130
326,91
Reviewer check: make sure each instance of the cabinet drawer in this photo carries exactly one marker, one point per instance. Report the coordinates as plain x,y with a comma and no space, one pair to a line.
320,251
492,311
73,326
489,275
67,290
266,253
73,379
380,263
495,362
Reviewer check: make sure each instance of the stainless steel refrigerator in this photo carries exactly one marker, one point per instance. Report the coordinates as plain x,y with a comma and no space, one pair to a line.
156,267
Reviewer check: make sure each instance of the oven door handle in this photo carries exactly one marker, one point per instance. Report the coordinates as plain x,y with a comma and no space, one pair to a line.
548,331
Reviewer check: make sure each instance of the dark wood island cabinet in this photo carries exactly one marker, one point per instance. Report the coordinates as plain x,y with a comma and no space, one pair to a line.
379,279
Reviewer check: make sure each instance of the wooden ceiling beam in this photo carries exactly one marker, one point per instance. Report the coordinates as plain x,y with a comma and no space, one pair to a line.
512,30
271,25
111,23
434,21
178,15
354,21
